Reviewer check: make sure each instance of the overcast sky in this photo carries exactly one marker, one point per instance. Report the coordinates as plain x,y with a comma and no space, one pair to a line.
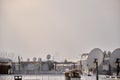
62,28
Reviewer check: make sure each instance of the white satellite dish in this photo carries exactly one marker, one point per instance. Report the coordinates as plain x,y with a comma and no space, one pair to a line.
94,54
115,54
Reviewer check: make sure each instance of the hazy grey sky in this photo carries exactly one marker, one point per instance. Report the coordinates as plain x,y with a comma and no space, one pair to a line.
63,28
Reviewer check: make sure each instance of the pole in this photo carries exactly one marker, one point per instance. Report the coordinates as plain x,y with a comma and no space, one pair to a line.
117,69
55,66
97,78
19,63
109,69
117,62
96,63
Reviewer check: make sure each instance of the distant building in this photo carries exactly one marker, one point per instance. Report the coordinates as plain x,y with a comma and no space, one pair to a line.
37,67
106,63
31,67
83,62
64,66
5,66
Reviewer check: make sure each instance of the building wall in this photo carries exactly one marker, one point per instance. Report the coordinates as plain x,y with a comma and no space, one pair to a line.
29,67
45,67
63,67
5,69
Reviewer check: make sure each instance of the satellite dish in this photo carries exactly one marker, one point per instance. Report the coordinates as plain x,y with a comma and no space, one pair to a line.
34,59
115,54
48,56
94,54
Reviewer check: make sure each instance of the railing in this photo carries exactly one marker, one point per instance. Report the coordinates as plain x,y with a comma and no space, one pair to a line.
34,77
